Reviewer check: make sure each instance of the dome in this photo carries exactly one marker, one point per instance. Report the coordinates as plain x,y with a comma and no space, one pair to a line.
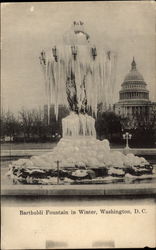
134,74
134,87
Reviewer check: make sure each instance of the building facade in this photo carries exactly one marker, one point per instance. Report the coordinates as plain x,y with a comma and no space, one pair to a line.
134,96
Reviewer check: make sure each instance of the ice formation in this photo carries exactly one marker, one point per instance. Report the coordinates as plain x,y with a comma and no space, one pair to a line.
78,125
80,159
80,72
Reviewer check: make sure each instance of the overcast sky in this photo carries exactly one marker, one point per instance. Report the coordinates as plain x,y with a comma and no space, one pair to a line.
27,28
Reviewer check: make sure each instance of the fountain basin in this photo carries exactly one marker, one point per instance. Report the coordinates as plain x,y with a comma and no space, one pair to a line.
79,160
117,189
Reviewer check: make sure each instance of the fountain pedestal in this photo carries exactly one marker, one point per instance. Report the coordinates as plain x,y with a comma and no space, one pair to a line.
75,125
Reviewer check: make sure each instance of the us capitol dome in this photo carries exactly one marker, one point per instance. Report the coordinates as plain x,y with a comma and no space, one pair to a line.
134,96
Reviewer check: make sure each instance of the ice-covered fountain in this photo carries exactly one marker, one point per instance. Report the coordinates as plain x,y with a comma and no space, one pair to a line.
80,75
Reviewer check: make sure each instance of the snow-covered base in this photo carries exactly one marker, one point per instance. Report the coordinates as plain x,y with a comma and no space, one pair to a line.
80,159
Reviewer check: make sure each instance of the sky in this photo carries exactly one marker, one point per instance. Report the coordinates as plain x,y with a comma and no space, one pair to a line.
125,27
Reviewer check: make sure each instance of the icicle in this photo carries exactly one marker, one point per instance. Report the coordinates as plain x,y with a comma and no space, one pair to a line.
93,74
48,89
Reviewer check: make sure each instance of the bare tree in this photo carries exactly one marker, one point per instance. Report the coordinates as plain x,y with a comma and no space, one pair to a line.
9,124
26,121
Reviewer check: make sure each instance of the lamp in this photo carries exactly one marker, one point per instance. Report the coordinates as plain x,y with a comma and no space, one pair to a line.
74,51
43,58
127,136
54,51
94,52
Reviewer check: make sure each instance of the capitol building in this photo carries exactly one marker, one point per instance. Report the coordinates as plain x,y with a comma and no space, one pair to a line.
134,96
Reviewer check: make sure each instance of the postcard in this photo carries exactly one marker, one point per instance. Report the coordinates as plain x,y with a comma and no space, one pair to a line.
78,125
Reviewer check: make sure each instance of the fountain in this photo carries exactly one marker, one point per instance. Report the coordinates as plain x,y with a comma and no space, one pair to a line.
79,75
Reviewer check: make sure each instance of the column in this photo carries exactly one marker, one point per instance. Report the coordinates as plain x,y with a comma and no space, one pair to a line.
122,110
132,110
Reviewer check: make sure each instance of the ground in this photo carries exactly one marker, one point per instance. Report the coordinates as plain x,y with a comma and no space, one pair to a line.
21,146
